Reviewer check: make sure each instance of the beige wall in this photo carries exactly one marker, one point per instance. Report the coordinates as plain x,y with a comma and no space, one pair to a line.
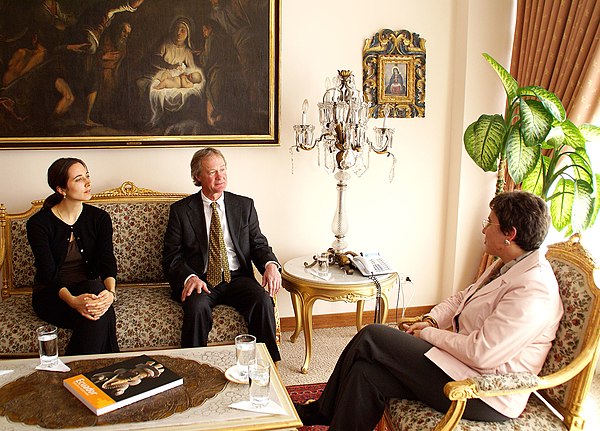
427,222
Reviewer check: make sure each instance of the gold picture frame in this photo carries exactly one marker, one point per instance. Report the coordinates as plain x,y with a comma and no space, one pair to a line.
394,74
70,79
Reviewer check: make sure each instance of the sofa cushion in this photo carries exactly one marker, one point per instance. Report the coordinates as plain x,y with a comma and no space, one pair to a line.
147,318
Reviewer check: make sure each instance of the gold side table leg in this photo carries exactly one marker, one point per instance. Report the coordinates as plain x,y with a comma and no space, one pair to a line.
297,305
307,322
360,306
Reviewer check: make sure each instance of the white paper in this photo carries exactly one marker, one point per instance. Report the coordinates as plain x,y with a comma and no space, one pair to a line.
316,274
3,372
59,366
271,409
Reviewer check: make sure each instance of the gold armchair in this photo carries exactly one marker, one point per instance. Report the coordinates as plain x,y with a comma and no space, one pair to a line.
563,382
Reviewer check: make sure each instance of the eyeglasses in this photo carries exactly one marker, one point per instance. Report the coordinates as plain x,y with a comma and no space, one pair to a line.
486,222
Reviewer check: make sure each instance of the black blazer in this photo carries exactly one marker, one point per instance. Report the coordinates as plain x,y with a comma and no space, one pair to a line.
185,249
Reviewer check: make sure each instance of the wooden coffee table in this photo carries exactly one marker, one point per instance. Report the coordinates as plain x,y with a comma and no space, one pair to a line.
207,414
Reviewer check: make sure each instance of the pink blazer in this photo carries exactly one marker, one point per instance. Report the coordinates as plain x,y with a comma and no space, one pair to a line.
505,326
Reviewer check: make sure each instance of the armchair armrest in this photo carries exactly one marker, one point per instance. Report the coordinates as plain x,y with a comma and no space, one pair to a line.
491,385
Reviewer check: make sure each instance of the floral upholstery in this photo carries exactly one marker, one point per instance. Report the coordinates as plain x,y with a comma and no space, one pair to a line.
147,318
139,229
496,382
409,415
578,332
577,303
22,257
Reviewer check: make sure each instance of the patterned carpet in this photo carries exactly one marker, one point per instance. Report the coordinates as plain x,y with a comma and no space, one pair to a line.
303,393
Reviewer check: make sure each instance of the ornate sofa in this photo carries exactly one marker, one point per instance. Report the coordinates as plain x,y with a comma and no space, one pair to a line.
147,318
565,378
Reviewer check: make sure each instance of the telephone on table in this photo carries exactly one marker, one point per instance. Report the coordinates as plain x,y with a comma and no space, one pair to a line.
371,264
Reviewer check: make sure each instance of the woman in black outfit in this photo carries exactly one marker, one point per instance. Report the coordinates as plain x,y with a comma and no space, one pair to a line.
76,268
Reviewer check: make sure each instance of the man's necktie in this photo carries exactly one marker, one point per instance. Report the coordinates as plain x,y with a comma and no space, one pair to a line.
218,266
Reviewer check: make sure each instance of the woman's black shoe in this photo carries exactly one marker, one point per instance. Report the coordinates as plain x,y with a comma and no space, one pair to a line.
310,415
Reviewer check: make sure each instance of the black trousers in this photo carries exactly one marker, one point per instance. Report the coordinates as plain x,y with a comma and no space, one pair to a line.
380,363
244,294
89,336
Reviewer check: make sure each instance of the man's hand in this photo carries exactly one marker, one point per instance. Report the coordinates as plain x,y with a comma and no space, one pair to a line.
272,279
416,328
193,283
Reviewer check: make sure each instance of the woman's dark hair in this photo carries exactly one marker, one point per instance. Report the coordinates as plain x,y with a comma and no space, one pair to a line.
58,175
527,213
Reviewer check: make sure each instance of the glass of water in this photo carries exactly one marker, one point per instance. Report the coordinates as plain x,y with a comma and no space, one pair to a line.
48,341
259,374
323,264
245,350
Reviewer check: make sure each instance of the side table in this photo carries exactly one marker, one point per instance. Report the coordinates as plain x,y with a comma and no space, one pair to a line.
306,288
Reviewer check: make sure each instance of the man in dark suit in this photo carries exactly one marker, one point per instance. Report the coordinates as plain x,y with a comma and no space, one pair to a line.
186,257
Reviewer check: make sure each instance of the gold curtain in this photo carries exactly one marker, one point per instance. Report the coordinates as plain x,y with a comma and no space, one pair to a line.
556,46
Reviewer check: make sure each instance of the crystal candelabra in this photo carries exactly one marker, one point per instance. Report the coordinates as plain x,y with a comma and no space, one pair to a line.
344,146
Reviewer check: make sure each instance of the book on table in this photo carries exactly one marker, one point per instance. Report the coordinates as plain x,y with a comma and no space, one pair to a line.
109,388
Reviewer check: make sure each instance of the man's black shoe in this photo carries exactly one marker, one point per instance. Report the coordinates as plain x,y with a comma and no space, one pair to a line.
310,415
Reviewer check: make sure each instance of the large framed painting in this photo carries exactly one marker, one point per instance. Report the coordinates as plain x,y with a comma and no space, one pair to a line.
394,74
138,73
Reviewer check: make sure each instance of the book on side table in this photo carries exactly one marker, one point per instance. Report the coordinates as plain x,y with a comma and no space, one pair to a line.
122,383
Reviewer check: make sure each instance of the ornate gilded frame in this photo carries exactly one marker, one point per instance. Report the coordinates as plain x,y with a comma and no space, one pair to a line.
28,103
385,52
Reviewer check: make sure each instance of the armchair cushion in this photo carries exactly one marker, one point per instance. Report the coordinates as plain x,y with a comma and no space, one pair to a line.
407,415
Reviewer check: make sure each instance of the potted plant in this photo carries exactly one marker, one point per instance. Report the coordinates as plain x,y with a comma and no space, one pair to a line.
542,151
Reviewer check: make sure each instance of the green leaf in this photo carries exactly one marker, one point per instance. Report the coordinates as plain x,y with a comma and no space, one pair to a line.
521,158
590,132
483,141
536,121
550,101
561,203
594,214
583,206
581,165
573,137
534,181
509,83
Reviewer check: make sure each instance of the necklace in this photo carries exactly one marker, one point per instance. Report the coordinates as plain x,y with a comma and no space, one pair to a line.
60,216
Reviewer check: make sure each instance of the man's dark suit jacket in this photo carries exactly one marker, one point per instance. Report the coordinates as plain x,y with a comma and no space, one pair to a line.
185,249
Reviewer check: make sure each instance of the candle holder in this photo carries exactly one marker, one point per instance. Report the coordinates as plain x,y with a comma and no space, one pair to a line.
344,147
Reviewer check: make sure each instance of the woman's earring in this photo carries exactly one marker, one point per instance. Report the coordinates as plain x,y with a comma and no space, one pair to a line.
506,242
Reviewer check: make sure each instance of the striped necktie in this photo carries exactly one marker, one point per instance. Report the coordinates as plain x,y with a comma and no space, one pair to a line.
218,266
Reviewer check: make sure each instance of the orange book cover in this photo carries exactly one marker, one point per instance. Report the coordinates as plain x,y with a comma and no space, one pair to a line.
122,383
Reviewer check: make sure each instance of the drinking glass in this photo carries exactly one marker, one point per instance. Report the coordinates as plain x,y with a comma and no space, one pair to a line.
259,374
245,350
323,264
48,341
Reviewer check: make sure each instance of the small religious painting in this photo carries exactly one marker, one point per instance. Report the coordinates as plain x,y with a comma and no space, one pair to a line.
394,74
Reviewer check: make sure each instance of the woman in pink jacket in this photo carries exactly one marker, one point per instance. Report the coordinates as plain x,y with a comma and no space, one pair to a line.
504,322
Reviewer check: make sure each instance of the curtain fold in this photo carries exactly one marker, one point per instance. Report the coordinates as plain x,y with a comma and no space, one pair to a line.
556,47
